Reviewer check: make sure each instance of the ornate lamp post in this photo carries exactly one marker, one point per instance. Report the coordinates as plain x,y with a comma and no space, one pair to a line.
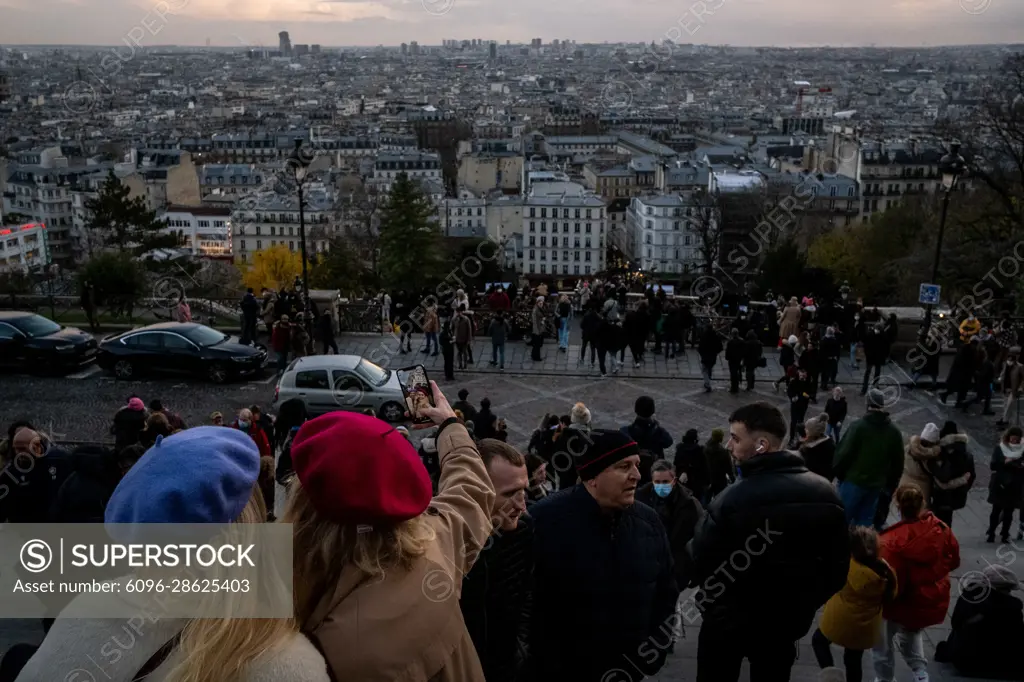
952,166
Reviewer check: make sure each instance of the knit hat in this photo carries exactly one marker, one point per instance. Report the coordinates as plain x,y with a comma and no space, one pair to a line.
815,428
792,340
930,433
201,475
1001,578
136,405
580,414
948,429
691,436
876,399
644,407
359,470
717,435
603,449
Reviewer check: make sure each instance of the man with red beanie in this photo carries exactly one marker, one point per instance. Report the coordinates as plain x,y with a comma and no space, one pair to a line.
605,595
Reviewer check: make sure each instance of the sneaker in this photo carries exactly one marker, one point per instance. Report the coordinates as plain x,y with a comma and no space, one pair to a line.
990,538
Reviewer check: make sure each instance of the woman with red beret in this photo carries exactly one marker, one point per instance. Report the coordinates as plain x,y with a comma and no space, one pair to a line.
378,563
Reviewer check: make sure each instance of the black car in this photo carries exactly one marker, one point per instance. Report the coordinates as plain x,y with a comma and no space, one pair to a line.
32,342
179,348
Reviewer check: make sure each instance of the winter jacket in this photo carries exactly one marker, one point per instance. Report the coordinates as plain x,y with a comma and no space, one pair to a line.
836,411
1006,486
984,378
435,643
917,460
922,552
870,453
721,467
83,496
789,323
953,473
431,321
537,325
680,512
818,456
128,427
499,301
964,364
787,355
258,435
29,487
752,353
73,644
791,525
463,329
853,616
498,330
809,360
799,392
987,628
691,464
590,324
466,408
267,310
496,602
734,352
829,347
709,346
652,439
969,328
483,424
605,587
281,338
250,306
1012,380
876,347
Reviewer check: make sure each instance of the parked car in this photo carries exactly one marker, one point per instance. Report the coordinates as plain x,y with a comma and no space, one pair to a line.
179,348
33,342
328,383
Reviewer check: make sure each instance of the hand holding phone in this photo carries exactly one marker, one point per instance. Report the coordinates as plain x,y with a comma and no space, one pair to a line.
418,393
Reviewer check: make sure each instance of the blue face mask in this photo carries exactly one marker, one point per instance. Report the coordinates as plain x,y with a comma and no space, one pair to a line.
663,489
243,425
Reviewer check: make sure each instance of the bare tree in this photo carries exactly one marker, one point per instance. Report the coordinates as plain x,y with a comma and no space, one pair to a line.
705,221
358,213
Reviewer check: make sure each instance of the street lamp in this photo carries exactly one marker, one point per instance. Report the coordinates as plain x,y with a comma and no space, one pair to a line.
300,166
952,166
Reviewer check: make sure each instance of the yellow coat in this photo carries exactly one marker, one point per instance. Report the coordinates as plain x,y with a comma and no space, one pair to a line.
969,329
853,616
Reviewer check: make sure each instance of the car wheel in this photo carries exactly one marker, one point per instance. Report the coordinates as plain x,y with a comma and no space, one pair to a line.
123,369
218,373
392,412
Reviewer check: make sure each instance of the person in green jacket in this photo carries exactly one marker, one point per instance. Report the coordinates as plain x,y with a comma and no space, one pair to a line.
868,462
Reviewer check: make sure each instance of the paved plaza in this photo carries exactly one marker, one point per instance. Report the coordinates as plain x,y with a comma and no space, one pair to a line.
80,409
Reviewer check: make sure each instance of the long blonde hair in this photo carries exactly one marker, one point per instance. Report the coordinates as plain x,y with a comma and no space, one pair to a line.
222,649
323,548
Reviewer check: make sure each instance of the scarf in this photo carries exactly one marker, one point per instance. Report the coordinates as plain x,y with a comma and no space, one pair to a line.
1012,451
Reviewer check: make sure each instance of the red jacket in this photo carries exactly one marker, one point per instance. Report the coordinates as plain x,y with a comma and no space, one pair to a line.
499,301
922,553
259,436
280,338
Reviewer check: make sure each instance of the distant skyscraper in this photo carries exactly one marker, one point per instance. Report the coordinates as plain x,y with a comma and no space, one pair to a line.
405,49
414,48
315,49
536,42
285,43
492,50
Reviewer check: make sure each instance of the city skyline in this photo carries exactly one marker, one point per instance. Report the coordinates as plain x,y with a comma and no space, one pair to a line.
358,23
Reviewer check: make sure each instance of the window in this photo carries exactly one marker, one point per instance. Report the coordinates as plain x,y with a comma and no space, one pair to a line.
175,342
144,341
675,225
649,224
587,270
565,213
543,241
543,213
832,190
587,242
565,227
565,255
343,381
259,244
565,269
586,256
647,239
543,269
533,254
575,269
686,242
257,230
588,228
7,331
577,214
543,226
554,255
532,214
272,231
576,242
532,240
533,227
577,228
576,255
313,378
291,246
543,254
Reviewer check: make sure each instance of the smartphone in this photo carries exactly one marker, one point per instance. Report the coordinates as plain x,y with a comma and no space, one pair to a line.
417,392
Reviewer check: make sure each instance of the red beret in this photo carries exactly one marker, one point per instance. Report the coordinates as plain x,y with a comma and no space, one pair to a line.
358,469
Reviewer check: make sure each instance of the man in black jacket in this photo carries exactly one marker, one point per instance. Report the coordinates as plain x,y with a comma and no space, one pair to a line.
250,313
876,354
734,352
650,437
679,511
829,348
770,551
497,593
605,596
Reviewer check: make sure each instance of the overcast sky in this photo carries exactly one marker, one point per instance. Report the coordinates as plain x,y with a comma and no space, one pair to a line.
371,22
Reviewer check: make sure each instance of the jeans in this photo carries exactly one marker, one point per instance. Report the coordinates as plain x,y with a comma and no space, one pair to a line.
282,361
498,354
911,647
853,355
593,351
750,378
720,656
860,503
833,430
852,658
563,332
602,353
248,330
828,377
705,371
431,342
1011,403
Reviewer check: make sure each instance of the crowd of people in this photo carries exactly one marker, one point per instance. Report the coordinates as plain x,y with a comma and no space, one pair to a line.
471,559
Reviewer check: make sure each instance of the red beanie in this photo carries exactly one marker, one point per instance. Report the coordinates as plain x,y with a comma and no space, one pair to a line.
358,469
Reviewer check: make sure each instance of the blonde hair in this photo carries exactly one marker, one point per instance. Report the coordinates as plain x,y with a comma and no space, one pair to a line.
323,548
222,649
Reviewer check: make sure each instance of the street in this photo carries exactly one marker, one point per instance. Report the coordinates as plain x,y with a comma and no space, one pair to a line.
80,408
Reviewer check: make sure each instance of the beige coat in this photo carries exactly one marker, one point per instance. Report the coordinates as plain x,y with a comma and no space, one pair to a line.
408,627
789,323
915,458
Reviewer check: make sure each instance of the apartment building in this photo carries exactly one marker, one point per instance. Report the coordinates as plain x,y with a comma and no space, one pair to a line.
229,180
23,248
486,171
273,219
463,217
206,230
660,233
564,231
633,178
416,165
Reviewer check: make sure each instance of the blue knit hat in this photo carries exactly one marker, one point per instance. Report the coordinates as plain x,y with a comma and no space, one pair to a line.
201,475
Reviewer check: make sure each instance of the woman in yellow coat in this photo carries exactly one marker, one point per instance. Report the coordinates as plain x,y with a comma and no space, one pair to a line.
853,616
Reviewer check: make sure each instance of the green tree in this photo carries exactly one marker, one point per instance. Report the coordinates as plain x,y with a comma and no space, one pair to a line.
340,267
411,256
119,221
118,281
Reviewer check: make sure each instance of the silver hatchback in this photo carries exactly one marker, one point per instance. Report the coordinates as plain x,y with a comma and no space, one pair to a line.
328,383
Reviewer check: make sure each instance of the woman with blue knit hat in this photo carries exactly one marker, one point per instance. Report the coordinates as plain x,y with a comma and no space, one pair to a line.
167,487
378,562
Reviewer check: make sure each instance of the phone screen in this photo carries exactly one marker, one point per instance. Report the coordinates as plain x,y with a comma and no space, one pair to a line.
416,389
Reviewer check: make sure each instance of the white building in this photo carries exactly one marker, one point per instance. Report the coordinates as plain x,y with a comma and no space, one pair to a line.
563,233
660,235
23,248
273,219
463,217
389,165
205,229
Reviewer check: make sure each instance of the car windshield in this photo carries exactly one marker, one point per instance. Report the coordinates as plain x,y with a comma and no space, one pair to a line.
204,336
34,325
374,375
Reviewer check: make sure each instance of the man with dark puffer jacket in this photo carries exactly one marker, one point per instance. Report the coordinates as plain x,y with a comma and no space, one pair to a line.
605,593
650,437
771,550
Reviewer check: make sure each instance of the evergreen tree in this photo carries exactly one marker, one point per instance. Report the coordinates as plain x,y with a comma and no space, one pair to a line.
125,223
410,244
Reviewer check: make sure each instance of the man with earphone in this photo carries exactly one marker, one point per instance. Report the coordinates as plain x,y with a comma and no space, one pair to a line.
771,549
